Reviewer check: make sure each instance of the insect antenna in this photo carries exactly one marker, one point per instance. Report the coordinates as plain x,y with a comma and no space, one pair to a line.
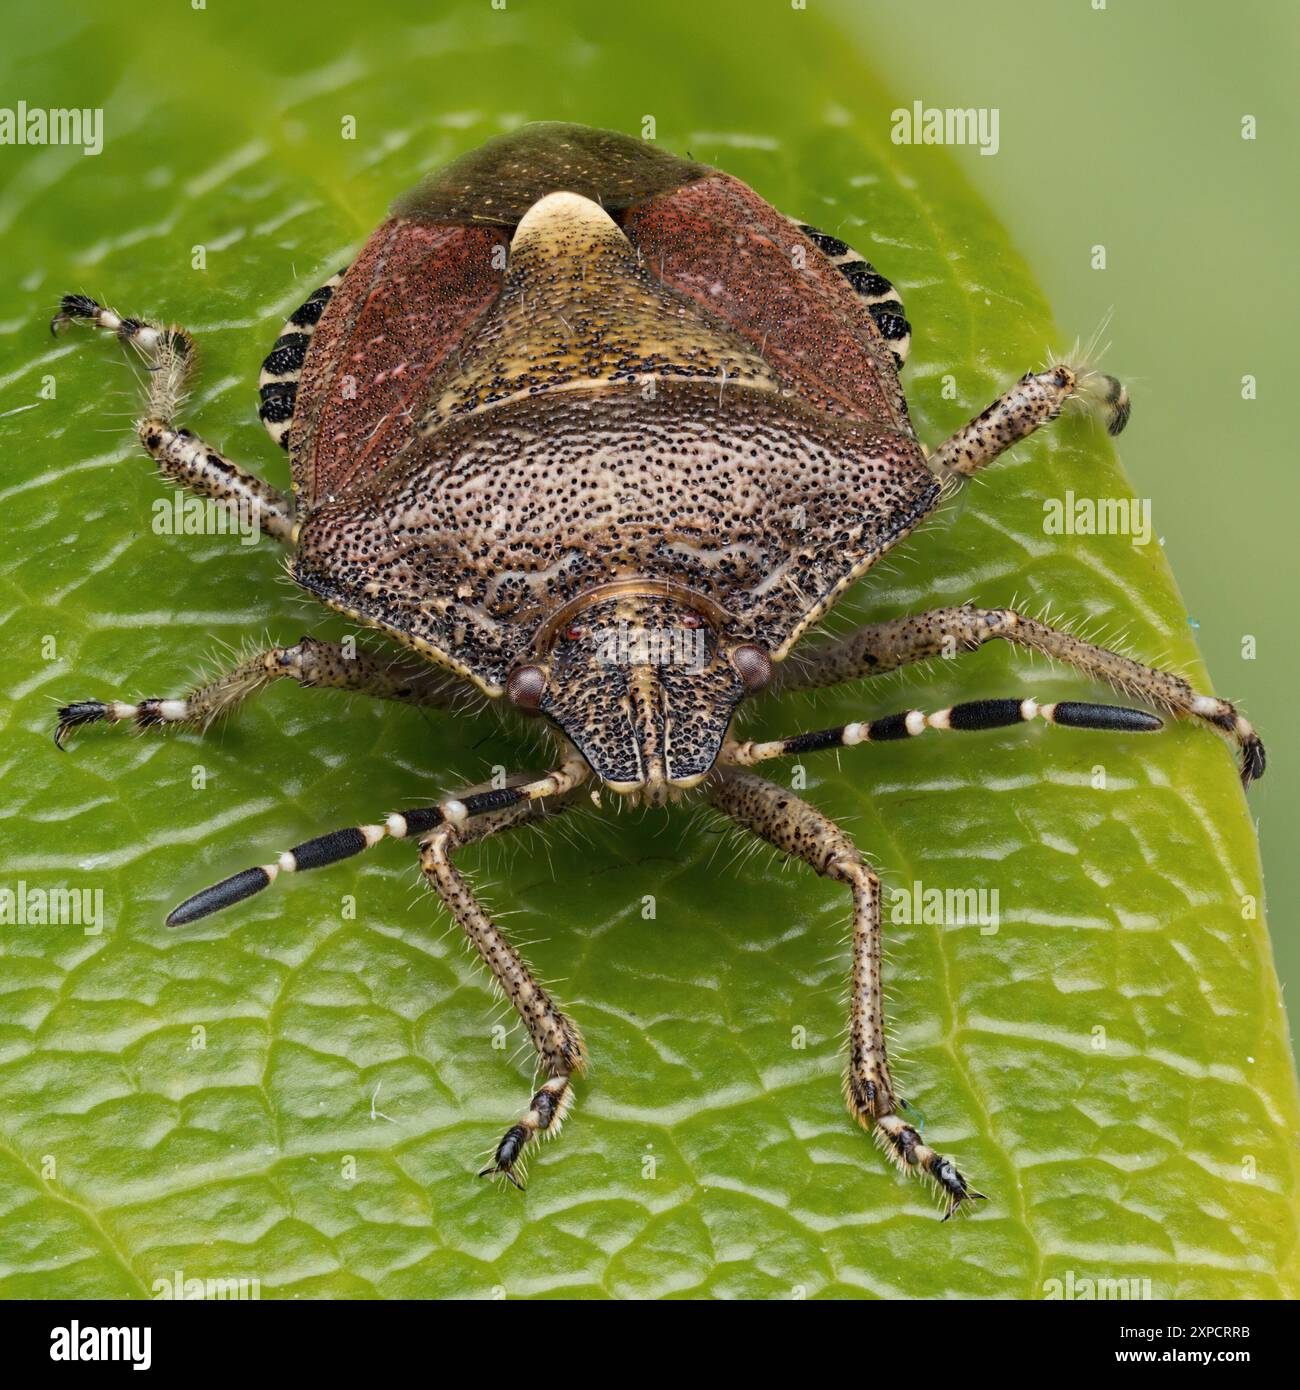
337,845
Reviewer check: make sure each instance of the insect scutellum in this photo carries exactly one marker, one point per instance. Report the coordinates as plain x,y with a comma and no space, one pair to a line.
600,434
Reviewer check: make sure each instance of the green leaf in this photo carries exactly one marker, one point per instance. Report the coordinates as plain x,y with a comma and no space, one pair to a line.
295,1094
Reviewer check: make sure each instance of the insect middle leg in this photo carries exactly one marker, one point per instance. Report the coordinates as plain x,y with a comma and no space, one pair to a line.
560,1051
169,355
312,663
1034,400
803,832
884,647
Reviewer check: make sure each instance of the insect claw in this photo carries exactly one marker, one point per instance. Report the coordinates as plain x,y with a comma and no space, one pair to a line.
492,1171
73,716
955,1199
1253,760
73,306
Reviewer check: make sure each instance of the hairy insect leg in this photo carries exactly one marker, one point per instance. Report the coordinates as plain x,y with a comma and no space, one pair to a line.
803,832
312,663
560,1051
1034,400
883,647
169,355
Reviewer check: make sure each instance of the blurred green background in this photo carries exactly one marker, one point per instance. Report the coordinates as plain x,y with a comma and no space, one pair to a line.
1118,127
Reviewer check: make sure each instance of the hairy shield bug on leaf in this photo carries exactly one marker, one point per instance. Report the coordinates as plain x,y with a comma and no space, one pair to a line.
480,473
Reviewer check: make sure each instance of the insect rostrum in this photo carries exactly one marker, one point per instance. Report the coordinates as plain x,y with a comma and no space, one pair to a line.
601,433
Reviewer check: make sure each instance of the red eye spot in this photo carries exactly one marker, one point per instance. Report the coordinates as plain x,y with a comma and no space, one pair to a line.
692,620
574,633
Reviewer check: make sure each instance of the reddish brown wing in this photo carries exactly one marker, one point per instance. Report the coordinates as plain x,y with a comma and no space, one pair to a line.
428,276
401,311
717,241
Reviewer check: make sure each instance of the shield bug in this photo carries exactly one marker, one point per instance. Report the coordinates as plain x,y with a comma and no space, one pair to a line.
599,432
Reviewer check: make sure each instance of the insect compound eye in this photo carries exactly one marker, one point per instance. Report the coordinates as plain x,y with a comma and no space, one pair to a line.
525,687
754,665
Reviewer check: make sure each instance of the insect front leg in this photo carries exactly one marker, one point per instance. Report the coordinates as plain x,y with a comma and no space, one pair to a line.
884,647
169,355
803,832
560,1051
1034,400
312,663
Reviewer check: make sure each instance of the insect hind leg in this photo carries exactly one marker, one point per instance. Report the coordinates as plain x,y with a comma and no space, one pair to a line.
801,831
561,1053
170,355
